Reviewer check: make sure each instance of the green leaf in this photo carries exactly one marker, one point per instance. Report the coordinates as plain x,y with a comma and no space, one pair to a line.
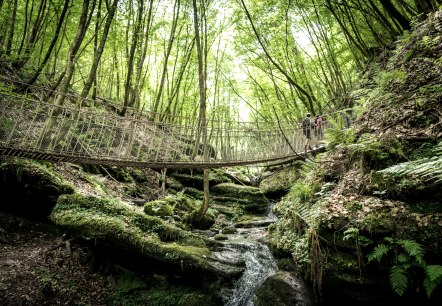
412,247
398,280
434,272
402,258
433,278
379,251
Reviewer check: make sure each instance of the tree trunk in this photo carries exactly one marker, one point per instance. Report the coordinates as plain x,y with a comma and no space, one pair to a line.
202,128
395,14
31,40
51,45
142,56
97,57
425,6
166,57
75,46
311,98
65,81
97,30
130,64
10,37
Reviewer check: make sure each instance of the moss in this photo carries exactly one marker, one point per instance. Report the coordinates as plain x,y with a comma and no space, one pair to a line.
34,186
134,290
158,208
282,289
220,237
195,179
279,182
43,171
128,227
251,199
206,222
174,184
194,193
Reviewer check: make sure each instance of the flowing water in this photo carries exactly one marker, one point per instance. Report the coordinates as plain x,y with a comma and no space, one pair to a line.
259,265
259,261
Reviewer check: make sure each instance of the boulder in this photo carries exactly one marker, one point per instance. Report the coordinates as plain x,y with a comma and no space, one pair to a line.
126,226
283,289
278,183
251,199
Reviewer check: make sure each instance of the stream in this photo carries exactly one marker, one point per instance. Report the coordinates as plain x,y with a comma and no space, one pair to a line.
259,261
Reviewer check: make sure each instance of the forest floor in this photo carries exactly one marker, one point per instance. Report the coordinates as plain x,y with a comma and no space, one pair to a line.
38,266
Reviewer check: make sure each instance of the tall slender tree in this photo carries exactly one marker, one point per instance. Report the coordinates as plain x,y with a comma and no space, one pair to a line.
202,126
97,56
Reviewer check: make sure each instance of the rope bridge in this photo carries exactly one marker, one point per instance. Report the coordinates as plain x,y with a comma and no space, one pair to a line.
83,133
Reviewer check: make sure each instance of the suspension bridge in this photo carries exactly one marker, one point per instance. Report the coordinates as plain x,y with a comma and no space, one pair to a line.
80,131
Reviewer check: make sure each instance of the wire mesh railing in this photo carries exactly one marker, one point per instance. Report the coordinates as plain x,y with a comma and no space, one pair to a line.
80,132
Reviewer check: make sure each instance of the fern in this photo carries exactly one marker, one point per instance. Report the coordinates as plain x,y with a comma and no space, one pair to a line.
430,169
398,279
379,251
433,278
434,272
413,248
405,264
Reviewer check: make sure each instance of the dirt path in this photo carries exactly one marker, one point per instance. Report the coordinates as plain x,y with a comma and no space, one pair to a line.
38,268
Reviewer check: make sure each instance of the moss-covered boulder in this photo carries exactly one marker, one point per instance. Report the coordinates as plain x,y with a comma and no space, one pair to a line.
283,289
195,177
193,193
127,226
279,182
33,185
173,184
251,199
158,208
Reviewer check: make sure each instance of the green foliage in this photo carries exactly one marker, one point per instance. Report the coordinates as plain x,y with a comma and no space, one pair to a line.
134,290
398,279
433,278
368,145
387,78
352,233
428,168
379,251
405,261
337,136
298,215
158,208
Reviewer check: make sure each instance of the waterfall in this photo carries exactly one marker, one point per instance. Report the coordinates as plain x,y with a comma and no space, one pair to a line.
260,264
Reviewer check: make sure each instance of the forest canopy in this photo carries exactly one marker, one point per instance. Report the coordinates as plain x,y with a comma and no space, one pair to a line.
249,58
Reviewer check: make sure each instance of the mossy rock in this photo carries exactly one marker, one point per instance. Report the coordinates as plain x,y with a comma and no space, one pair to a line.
220,237
206,222
34,186
123,225
407,188
174,184
195,179
158,208
279,182
193,193
247,197
135,290
283,289
229,230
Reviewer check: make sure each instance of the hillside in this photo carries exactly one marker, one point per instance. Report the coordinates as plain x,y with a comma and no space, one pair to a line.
365,221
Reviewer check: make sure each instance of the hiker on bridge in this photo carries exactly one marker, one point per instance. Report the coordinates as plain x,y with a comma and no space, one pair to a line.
308,127
319,128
